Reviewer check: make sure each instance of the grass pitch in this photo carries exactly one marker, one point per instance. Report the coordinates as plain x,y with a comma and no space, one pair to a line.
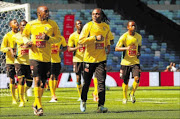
151,102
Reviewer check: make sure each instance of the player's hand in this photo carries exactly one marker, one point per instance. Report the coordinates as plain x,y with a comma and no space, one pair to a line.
28,44
138,54
80,46
99,38
45,37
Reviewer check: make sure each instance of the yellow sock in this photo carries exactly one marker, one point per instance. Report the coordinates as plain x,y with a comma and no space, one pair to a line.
95,86
125,88
79,88
25,91
51,86
12,89
55,85
37,95
21,93
134,87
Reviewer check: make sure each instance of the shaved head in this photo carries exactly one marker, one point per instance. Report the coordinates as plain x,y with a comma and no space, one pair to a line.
43,13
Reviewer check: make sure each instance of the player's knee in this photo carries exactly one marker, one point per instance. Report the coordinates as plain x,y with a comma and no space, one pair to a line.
136,78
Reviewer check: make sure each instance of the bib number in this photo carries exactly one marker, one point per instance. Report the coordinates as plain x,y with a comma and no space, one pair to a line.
40,44
25,52
82,49
99,45
54,51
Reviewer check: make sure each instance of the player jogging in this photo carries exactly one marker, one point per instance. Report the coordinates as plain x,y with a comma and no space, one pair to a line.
95,35
74,46
7,47
22,66
43,32
130,43
56,66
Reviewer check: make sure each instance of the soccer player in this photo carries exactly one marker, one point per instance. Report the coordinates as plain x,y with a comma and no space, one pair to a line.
43,32
22,66
7,47
95,36
74,46
56,66
130,43
95,93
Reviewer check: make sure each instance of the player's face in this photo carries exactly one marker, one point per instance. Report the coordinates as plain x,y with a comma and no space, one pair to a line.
96,15
44,13
14,24
131,26
22,25
79,25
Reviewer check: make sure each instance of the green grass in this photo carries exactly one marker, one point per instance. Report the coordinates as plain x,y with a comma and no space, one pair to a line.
152,102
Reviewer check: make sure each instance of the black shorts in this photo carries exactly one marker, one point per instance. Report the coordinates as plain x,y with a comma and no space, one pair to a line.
22,69
125,71
10,70
78,67
40,69
55,69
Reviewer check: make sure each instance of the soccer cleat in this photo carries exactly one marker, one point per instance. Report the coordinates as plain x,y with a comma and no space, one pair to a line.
124,101
14,102
79,99
133,99
35,109
39,112
102,109
21,104
82,106
95,98
53,100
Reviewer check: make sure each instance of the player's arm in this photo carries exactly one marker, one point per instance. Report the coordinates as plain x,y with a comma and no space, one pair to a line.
56,37
139,46
64,45
84,37
4,43
71,46
120,44
107,42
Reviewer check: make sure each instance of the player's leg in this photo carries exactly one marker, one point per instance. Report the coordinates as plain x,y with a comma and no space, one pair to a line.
20,72
100,72
124,74
11,73
87,75
36,69
77,67
57,72
95,93
28,81
136,74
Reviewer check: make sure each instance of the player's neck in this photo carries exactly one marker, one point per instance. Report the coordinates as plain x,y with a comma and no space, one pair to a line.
78,31
132,33
15,30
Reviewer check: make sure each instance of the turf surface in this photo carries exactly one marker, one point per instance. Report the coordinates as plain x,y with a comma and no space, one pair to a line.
151,102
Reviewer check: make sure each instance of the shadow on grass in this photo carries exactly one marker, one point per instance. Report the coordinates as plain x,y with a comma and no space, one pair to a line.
140,111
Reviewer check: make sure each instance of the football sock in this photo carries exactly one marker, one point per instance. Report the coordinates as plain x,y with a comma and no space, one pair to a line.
134,87
125,88
79,88
51,86
12,89
37,94
95,86
55,85
21,93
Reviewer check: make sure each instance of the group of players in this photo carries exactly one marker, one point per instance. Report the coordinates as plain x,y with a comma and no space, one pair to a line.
37,51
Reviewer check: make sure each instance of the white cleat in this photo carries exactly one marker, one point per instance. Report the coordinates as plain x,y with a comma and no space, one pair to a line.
133,99
53,100
21,104
102,109
124,101
79,99
82,106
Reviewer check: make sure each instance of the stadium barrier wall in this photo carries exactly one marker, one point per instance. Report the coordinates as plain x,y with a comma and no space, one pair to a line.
113,79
